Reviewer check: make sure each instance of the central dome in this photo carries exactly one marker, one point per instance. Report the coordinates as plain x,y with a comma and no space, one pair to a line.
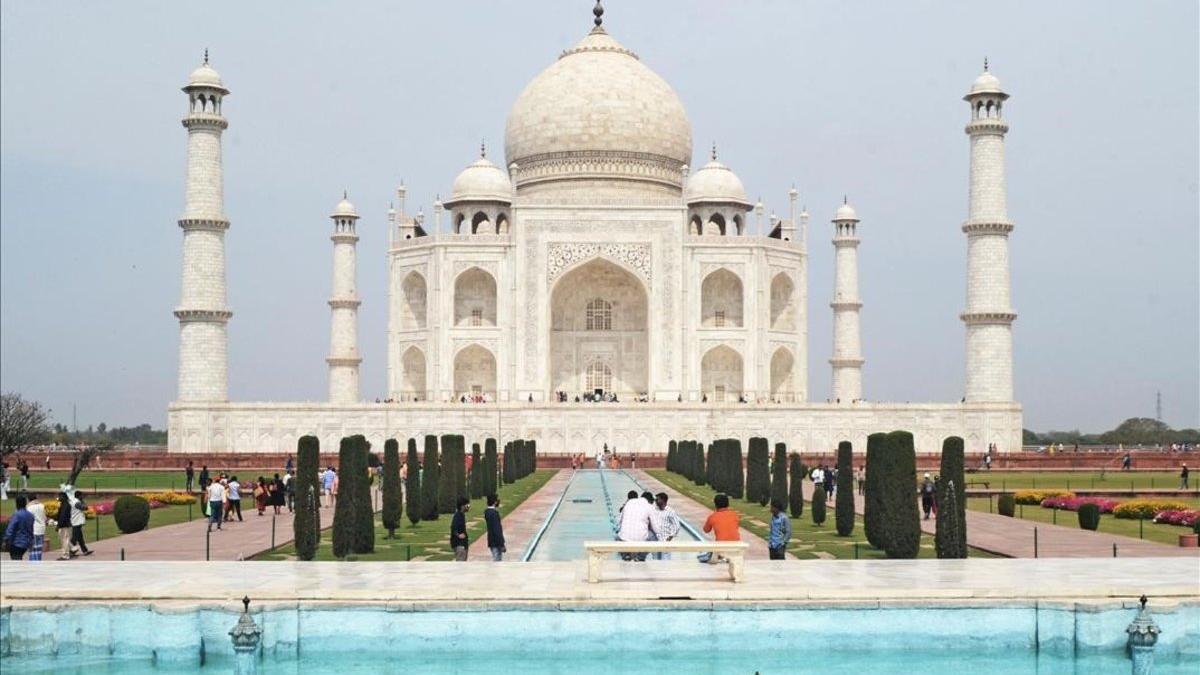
599,115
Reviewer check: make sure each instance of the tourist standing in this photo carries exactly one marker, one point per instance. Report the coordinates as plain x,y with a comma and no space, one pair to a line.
189,474
287,468
927,493
38,510
723,524
63,522
78,520
860,480
781,531
1183,477
1127,462
216,499
634,524
260,495
23,469
3,481
329,485
277,497
458,529
235,499
289,490
665,523
19,533
495,529
204,479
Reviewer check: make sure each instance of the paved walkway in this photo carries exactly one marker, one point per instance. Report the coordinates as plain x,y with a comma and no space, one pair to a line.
1013,537
524,522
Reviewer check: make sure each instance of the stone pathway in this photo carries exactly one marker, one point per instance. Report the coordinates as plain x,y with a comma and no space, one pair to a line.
696,513
524,522
1013,537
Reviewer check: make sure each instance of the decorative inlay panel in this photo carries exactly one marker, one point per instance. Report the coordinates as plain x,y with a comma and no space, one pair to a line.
561,255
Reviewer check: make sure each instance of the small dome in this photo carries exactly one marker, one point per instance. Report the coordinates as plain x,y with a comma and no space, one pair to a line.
845,212
715,182
481,181
986,83
205,76
344,209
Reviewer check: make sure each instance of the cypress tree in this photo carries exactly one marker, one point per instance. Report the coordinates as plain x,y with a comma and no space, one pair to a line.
506,466
412,484
902,536
818,506
701,470
364,508
737,481
306,525
873,499
758,478
710,465
531,451
844,495
448,477
345,525
489,474
796,488
393,505
951,534
779,482
671,448
476,479
430,479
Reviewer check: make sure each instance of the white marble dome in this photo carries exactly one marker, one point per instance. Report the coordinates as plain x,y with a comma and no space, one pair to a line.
598,111
845,212
481,181
205,76
986,83
344,209
715,182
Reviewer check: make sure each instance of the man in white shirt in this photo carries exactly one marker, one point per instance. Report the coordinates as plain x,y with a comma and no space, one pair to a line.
216,502
664,522
38,510
634,523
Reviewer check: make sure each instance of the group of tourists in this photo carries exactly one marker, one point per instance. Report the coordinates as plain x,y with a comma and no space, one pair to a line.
459,542
826,477
646,517
26,531
223,496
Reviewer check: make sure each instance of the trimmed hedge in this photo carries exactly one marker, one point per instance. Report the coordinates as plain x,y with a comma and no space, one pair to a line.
758,471
1089,517
779,468
873,517
796,487
477,472
132,513
701,469
672,448
393,505
844,495
306,525
345,526
364,509
902,530
430,480
412,484
1006,505
818,506
452,463
951,544
490,479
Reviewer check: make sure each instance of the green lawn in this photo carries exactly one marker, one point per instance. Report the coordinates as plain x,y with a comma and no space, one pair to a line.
1076,480
1151,531
92,480
808,540
428,540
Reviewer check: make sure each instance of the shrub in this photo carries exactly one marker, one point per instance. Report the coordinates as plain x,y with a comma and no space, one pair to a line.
412,484
1186,518
452,465
429,480
737,481
1028,497
877,459
1136,509
710,464
1006,505
489,458
902,533
779,467
1089,517
132,513
393,505
1072,503
364,508
951,544
168,498
818,506
345,526
306,526
758,477
701,468
844,495
476,478
796,486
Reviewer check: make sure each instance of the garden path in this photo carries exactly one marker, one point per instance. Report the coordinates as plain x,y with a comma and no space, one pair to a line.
524,522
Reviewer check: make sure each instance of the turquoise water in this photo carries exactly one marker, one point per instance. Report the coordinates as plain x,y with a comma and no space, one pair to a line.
584,514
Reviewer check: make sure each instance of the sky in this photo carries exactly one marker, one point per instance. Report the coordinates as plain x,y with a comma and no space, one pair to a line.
849,98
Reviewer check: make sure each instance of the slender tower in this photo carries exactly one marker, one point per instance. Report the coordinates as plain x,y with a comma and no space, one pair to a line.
847,358
343,332
202,313
989,314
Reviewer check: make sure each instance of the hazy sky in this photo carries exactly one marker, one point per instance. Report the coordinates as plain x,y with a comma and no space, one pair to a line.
847,97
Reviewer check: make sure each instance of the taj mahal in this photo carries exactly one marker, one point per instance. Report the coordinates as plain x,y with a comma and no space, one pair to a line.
595,285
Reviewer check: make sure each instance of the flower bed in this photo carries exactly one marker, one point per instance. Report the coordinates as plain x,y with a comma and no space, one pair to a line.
1072,503
1182,517
168,498
1136,509
1038,496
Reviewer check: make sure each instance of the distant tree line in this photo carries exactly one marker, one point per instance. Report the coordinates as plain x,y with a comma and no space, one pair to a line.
1133,431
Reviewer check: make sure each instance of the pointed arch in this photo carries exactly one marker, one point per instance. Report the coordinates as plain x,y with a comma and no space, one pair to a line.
414,302
475,298
782,375
715,224
475,372
412,375
480,224
783,303
695,225
721,374
721,300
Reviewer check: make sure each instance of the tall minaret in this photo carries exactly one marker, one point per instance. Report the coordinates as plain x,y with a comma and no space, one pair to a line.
847,358
202,313
343,333
989,313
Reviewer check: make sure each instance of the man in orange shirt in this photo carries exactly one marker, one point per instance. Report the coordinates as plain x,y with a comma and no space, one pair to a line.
723,524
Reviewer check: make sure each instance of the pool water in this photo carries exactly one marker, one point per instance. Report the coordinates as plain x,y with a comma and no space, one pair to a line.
584,514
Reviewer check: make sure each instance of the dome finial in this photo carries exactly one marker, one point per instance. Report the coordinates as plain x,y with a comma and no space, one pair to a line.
714,151
482,148
844,200
345,194
985,64
598,11
206,56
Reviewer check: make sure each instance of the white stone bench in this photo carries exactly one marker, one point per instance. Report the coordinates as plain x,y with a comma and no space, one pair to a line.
734,551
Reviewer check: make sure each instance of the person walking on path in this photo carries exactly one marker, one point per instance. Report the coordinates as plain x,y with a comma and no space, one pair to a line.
277,497
665,523
260,495
723,524
18,536
63,523
216,499
927,493
78,520
1127,462
235,499
38,510
287,468
781,531
458,529
1183,477
189,475
495,529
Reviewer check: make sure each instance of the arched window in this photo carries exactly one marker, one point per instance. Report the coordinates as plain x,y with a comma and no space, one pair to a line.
599,376
599,315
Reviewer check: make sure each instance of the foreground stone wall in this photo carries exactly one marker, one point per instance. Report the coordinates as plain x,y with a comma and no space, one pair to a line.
570,428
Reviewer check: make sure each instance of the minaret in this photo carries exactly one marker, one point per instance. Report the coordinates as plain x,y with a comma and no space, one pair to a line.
989,313
847,358
343,333
202,312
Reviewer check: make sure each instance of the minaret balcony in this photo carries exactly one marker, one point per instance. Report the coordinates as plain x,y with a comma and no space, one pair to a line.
847,362
986,126
205,120
203,315
345,303
210,224
996,227
982,318
841,305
